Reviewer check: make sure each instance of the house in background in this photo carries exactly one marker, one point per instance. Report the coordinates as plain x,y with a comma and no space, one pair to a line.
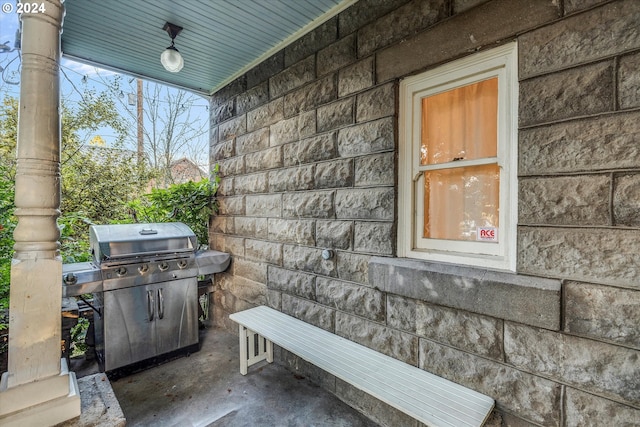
185,170
473,166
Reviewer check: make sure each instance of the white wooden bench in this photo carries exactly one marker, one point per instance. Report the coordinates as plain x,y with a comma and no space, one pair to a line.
426,397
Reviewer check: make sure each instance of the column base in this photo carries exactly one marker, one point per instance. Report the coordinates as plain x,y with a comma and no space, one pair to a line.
46,402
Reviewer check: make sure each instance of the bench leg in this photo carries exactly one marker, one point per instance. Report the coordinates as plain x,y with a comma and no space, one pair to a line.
253,349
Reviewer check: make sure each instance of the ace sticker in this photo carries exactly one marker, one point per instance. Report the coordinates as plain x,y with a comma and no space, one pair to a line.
487,234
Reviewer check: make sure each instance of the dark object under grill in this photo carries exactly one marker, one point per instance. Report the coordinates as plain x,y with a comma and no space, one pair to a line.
143,278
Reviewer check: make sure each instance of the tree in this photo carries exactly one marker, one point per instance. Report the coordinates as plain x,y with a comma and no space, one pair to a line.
170,127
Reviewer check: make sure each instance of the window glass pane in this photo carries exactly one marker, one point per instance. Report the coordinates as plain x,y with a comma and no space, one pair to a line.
460,124
458,201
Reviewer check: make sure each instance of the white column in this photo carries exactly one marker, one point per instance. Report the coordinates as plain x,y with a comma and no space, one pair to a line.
38,389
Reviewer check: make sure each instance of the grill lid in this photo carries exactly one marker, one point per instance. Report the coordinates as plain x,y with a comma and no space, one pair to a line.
122,241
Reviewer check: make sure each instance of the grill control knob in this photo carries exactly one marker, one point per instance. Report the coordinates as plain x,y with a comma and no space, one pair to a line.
182,263
121,271
143,268
163,266
70,279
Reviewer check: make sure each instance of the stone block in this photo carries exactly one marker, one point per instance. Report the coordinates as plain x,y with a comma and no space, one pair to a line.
605,256
336,55
571,6
351,298
255,271
305,369
629,78
267,68
222,111
232,128
488,24
572,93
335,115
292,231
292,282
222,150
364,12
308,259
462,5
376,103
370,203
566,94
292,77
366,138
400,23
376,410
334,174
232,166
311,42
374,237
292,179
593,366
308,97
399,345
529,300
308,204
603,313
232,89
309,311
274,299
583,409
293,129
569,200
356,77
606,142
253,183
334,234
532,397
222,224
252,98
401,313
251,227
225,187
309,150
353,267
261,251
232,245
269,206
241,288
626,200
254,141
480,335
598,34
231,205
265,115
375,169
266,159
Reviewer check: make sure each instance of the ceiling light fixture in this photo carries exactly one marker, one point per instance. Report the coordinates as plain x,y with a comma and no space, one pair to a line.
171,59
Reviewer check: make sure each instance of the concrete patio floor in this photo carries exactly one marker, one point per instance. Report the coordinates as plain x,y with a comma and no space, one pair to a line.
207,390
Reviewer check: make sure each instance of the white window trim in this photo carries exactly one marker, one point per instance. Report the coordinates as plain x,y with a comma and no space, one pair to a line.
501,62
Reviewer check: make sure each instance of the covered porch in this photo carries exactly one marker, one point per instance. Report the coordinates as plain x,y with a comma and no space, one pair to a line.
218,42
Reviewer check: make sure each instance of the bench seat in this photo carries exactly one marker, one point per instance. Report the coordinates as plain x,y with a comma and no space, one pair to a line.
428,398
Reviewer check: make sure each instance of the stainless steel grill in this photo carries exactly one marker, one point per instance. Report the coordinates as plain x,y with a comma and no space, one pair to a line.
143,278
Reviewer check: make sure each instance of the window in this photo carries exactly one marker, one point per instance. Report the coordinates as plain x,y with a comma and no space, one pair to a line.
458,151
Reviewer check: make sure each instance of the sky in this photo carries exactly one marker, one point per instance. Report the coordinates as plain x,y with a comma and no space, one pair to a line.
76,76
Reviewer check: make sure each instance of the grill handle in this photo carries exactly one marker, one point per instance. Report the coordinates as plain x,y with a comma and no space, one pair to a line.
150,305
160,304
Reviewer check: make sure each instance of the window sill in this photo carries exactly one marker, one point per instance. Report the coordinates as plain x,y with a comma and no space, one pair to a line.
529,300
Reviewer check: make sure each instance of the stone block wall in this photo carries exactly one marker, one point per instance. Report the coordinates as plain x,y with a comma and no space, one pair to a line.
307,141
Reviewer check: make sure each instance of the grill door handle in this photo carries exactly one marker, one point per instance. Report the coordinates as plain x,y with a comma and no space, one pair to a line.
150,305
160,304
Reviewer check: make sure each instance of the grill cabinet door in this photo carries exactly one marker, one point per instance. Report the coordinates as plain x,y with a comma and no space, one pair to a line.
176,314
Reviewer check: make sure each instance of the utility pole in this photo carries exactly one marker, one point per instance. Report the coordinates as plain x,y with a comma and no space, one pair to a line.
140,124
